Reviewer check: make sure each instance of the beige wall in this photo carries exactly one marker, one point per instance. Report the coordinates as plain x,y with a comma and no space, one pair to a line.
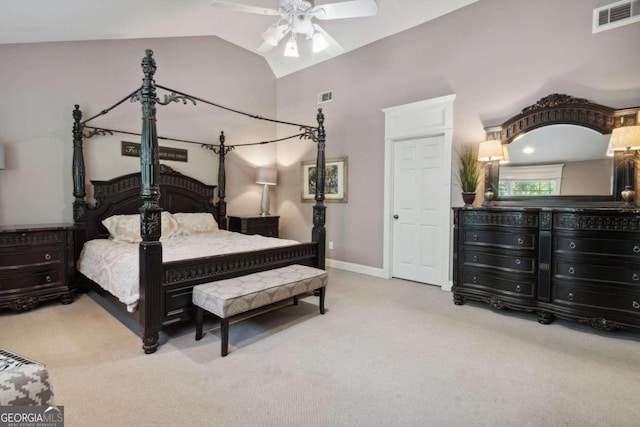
40,83
497,57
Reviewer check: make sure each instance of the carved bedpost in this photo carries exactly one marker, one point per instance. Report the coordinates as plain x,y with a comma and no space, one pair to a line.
79,192
319,233
222,179
150,249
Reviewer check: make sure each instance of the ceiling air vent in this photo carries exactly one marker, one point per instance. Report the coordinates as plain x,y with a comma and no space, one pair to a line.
328,95
616,15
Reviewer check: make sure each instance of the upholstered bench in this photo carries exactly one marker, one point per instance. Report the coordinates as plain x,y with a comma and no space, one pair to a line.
226,298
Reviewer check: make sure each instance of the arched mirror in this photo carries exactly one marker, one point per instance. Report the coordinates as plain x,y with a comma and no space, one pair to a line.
557,154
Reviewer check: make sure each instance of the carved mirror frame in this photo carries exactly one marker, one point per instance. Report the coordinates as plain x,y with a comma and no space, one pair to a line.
562,109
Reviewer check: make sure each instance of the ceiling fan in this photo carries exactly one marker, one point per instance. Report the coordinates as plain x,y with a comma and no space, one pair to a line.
296,18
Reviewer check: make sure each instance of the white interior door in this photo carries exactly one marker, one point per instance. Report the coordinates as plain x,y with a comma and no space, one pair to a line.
417,206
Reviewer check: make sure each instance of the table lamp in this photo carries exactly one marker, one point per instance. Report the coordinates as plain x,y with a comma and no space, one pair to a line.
489,152
627,140
266,177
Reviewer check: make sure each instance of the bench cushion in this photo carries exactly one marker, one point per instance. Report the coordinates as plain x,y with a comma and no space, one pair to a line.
225,298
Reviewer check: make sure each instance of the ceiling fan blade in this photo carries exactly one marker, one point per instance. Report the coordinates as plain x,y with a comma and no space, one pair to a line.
221,4
345,9
334,48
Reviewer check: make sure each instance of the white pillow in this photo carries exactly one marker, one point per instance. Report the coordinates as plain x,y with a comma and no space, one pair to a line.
127,227
196,222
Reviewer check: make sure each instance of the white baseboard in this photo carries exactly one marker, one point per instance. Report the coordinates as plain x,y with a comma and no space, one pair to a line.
370,271
356,268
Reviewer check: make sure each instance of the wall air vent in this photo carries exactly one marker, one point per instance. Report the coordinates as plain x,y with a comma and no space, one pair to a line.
616,15
328,95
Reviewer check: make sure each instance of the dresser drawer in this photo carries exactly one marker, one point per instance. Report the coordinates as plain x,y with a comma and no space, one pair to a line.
498,283
504,262
506,240
40,277
598,273
597,246
16,259
499,219
587,297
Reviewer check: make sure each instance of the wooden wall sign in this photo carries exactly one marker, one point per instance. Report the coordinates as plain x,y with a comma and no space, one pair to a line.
132,149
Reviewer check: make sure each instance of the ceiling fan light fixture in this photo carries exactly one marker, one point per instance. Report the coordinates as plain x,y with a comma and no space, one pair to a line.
274,34
291,49
319,43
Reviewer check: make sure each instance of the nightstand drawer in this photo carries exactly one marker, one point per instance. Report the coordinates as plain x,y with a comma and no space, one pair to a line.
40,256
36,265
264,225
29,279
32,238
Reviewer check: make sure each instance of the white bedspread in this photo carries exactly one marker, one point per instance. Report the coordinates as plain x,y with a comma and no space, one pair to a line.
113,264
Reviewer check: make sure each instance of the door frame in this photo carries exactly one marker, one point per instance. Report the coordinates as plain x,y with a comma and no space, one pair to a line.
432,117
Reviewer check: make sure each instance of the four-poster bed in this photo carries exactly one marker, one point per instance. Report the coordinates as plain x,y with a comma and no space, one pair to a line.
165,288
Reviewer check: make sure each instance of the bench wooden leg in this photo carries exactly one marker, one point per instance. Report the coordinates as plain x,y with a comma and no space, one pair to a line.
224,335
199,316
322,292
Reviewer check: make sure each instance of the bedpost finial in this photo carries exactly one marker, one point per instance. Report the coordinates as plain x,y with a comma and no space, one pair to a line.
222,137
320,116
77,114
148,64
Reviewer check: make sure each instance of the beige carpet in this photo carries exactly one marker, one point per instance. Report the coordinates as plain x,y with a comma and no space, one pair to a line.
386,353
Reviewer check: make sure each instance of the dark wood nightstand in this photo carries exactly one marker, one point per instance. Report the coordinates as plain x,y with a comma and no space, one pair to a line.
36,264
263,225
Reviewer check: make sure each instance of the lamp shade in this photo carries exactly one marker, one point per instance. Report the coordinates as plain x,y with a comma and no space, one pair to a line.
2,156
267,176
291,49
490,150
623,139
505,155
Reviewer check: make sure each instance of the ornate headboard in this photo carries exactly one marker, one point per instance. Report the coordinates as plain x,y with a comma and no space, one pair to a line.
121,196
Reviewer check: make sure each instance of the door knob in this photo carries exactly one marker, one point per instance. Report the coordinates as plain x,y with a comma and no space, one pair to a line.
396,216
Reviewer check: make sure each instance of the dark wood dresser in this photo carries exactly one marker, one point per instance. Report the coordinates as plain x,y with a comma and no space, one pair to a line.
36,264
264,225
576,264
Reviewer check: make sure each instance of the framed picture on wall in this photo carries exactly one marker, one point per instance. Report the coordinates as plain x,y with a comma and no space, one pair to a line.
335,180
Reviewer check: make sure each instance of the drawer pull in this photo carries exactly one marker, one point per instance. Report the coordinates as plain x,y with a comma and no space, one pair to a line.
518,288
572,245
475,258
518,262
48,279
474,279
636,305
571,270
570,296
520,241
635,277
47,257
475,237
636,249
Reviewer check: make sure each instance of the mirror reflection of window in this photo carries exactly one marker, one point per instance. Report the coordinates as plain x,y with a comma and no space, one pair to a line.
587,170
542,180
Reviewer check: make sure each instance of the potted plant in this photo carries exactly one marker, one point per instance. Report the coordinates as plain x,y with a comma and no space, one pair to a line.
468,173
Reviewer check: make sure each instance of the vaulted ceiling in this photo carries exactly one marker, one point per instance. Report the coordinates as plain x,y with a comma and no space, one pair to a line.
33,21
